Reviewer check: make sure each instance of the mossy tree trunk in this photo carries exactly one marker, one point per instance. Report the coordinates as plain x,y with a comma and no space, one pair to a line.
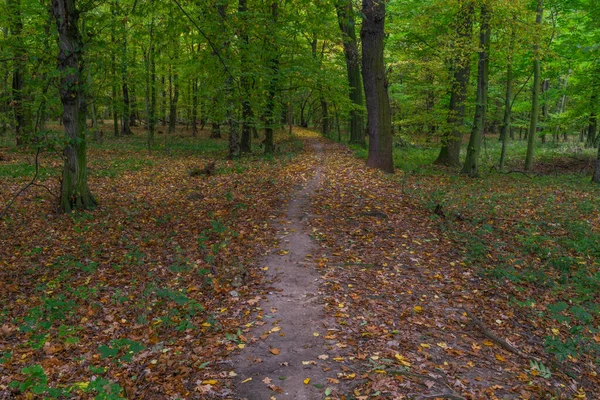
75,193
535,97
346,21
375,84
20,105
461,66
471,166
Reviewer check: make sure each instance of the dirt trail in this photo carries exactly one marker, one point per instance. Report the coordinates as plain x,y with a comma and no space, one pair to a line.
289,345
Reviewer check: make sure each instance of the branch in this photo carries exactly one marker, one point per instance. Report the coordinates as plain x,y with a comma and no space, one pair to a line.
213,47
490,335
24,188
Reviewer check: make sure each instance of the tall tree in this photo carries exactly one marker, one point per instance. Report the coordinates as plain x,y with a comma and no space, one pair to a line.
22,112
345,14
376,87
273,64
471,165
245,81
506,121
535,93
461,66
75,193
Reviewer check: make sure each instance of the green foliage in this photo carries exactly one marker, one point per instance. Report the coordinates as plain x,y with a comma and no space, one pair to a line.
121,350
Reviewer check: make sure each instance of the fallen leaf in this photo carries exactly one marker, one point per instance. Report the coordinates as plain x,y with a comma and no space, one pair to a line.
274,350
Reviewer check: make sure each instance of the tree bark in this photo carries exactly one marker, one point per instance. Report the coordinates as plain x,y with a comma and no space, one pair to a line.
245,83
535,98
471,166
596,176
505,133
452,139
375,84
346,22
151,86
22,112
125,115
273,52
75,193
593,120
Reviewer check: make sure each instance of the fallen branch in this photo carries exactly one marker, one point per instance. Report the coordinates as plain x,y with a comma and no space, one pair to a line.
490,335
442,381
450,396
24,188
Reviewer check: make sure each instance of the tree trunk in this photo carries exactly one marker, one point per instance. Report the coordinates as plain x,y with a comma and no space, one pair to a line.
125,126
592,122
452,139
505,133
151,86
506,130
346,21
75,193
195,107
273,52
245,83
471,165
113,66
375,84
22,112
174,98
596,176
535,98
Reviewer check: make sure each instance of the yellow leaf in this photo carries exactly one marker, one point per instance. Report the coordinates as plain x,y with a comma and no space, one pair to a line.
316,334
442,345
241,345
276,329
307,381
418,309
488,342
500,358
211,382
425,345
555,331
402,360
247,380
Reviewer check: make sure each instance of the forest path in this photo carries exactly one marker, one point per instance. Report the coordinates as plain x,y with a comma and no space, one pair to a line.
288,354
368,297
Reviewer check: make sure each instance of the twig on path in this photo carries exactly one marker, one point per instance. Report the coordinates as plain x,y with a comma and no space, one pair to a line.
450,396
490,335
442,381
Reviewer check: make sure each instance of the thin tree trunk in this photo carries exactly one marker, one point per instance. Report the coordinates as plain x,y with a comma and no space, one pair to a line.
113,67
375,85
535,98
75,193
195,107
596,176
245,83
592,122
346,22
452,140
21,107
505,133
471,165
274,79
151,86
125,126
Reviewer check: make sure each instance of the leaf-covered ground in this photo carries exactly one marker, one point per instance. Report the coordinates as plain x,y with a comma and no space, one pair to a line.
440,285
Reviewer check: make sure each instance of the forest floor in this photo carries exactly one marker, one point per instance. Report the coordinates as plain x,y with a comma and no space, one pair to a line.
303,276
